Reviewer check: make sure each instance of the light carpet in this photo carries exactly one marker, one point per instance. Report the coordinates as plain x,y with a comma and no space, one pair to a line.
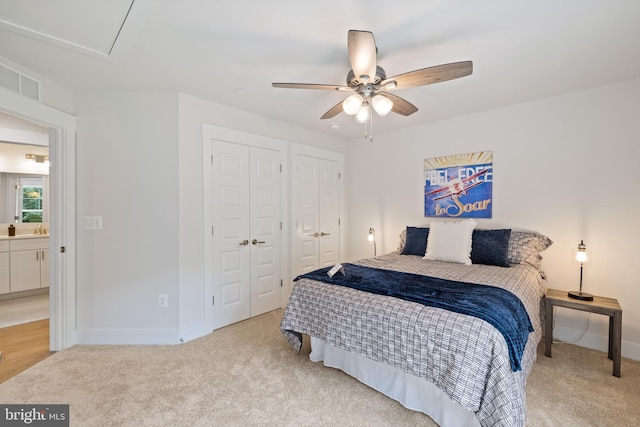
246,374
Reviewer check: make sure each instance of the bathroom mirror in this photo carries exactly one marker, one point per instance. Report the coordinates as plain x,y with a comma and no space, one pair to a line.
24,171
24,198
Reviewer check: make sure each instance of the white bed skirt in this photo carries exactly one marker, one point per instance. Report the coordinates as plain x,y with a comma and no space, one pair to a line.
412,392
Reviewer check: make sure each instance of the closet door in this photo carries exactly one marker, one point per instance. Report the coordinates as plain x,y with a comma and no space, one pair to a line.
329,198
317,199
265,230
231,222
246,214
306,199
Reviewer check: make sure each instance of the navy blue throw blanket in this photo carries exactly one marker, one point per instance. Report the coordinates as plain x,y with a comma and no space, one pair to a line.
497,306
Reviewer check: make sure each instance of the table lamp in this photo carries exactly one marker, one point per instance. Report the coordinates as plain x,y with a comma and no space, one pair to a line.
581,257
372,238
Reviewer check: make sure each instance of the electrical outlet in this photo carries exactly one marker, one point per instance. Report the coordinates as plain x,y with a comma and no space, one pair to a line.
163,300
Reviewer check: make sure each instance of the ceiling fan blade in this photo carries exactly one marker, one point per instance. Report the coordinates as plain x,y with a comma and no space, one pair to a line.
311,86
333,111
426,76
400,105
362,55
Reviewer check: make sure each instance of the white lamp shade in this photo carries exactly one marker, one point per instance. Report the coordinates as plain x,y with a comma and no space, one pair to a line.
364,113
352,104
581,256
382,104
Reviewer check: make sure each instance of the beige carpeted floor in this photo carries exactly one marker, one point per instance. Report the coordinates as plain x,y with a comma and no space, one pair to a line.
247,375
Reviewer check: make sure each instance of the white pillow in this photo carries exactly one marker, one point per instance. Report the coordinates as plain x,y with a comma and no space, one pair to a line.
450,241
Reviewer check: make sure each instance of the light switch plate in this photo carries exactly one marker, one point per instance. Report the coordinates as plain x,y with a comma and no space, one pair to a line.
93,223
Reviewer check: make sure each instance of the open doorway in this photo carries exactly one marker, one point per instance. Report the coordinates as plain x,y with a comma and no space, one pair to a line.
24,221
61,129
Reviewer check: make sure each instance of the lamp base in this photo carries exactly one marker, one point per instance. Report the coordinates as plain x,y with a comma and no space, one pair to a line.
580,295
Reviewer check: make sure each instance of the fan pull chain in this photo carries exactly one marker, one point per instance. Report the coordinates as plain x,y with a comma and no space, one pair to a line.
368,127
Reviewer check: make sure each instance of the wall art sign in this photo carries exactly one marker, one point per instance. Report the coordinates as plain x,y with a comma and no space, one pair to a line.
459,186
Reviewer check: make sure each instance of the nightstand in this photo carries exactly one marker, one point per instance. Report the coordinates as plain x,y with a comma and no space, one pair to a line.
599,305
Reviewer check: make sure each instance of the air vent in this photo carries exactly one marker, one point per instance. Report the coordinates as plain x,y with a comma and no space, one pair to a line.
17,82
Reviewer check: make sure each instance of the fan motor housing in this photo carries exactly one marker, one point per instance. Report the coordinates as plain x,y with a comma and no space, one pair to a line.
353,81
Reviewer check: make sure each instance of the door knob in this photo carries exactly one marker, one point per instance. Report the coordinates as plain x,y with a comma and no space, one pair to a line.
244,243
255,242
324,234
316,234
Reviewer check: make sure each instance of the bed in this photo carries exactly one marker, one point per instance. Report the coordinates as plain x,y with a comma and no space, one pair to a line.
457,368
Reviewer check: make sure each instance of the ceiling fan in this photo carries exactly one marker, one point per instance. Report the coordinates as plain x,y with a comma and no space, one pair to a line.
370,85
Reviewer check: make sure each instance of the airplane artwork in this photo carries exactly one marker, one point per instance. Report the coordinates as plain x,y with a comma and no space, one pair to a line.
457,187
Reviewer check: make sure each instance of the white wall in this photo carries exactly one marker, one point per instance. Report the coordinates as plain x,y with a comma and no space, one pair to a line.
139,167
564,166
127,173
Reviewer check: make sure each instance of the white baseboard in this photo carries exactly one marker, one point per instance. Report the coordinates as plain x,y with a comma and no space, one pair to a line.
127,337
630,349
194,331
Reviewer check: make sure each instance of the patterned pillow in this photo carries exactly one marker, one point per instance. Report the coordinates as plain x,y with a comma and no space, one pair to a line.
525,247
490,247
403,240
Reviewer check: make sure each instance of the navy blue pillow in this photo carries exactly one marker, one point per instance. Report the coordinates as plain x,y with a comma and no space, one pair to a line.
490,247
416,242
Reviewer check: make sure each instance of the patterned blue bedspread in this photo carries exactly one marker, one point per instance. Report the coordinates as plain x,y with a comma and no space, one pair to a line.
497,306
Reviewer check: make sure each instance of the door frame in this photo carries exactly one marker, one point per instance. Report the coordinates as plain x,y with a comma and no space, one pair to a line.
210,132
62,220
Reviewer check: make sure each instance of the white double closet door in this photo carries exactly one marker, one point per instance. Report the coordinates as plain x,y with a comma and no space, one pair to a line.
246,211
317,195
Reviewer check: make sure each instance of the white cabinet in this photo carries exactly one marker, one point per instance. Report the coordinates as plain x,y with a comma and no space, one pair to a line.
5,284
29,261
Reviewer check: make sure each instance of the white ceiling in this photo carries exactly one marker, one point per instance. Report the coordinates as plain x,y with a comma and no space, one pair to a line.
521,51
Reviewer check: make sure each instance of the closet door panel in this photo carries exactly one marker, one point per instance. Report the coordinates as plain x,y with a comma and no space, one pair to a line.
265,209
330,195
231,255
305,250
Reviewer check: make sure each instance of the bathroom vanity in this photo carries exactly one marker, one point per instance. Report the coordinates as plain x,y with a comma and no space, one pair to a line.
24,265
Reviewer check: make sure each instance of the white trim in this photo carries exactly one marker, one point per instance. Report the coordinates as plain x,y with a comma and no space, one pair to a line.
194,330
128,337
62,212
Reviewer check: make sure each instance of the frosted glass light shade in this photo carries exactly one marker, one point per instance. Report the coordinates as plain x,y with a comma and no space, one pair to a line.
352,104
364,113
382,104
581,254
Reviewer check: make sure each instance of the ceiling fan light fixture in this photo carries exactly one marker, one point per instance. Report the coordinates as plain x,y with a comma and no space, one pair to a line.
382,105
352,104
364,113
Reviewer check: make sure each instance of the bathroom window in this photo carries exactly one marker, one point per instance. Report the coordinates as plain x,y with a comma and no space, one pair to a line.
32,203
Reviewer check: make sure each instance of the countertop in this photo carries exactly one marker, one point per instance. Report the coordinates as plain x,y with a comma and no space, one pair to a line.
24,236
